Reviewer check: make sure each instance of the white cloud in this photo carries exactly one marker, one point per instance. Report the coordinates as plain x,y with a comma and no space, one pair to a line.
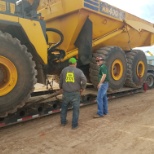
147,11
145,49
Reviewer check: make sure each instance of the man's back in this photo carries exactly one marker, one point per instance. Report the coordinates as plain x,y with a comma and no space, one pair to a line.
72,79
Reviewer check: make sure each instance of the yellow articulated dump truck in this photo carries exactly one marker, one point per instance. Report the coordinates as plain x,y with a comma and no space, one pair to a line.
37,37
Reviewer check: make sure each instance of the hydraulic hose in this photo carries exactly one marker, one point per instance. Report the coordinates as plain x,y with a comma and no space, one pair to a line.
57,44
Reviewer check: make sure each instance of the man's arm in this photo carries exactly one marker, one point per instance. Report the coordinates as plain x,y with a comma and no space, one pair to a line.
83,81
101,81
61,80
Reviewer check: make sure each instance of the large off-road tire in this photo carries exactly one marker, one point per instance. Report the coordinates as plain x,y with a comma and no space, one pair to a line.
114,58
17,74
136,68
150,80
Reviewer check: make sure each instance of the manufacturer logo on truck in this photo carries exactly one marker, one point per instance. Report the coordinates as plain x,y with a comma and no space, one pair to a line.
105,8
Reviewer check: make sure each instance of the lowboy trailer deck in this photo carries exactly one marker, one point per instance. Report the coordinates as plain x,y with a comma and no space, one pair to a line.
44,103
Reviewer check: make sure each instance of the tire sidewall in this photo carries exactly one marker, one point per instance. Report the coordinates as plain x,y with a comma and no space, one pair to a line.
110,54
138,57
16,53
116,53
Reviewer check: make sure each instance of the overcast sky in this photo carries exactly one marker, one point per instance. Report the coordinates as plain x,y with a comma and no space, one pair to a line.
141,8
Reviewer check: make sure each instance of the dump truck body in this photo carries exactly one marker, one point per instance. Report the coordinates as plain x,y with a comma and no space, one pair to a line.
110,25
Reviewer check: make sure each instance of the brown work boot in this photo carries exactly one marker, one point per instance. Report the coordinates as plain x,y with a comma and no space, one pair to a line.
74,127
64,124
97,116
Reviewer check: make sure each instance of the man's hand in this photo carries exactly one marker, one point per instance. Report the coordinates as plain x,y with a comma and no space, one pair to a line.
61,90
99,85
81,91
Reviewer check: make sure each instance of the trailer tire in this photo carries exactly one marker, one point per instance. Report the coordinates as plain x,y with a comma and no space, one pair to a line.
136,68
114,59
18,74
150,80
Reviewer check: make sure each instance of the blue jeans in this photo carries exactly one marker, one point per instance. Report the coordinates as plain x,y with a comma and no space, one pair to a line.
102,101
74,99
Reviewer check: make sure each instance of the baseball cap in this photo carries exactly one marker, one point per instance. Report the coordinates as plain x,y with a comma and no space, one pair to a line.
72,61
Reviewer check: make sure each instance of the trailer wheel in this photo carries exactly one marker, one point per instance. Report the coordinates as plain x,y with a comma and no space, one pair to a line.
17,74
136,68
150,80
114,58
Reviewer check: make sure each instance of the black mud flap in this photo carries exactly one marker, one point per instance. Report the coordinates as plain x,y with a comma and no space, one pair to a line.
84,44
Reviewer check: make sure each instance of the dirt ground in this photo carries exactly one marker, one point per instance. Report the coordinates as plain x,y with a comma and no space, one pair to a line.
128,129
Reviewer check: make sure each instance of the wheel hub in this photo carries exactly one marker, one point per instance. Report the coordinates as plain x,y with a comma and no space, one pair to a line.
8,76
140,69
117,69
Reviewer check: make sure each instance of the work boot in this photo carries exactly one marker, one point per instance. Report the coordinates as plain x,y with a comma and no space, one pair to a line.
97,116
64,124
74,127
